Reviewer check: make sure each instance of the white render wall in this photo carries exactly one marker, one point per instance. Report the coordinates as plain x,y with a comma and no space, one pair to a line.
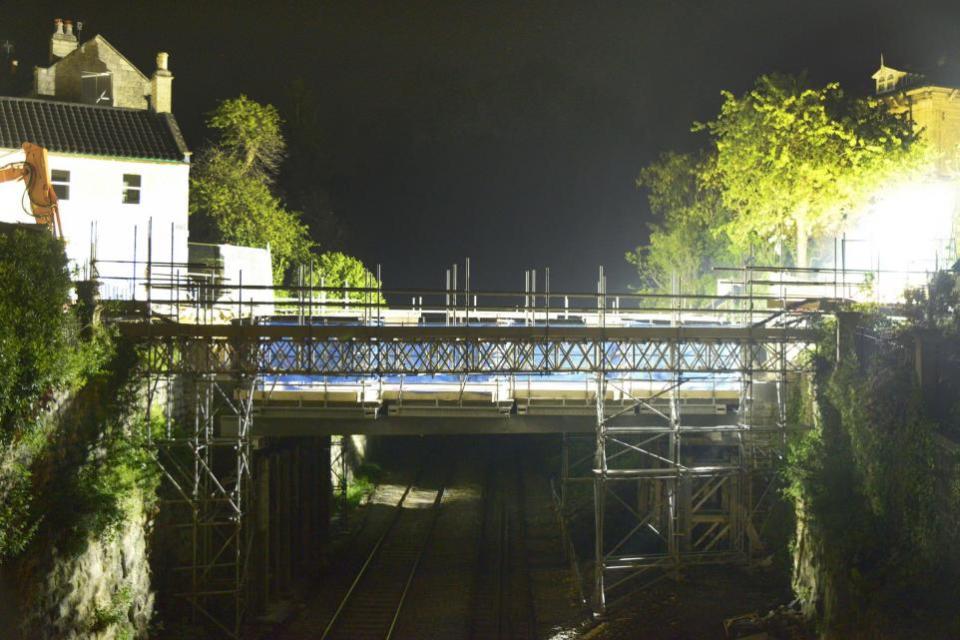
97,223
249,266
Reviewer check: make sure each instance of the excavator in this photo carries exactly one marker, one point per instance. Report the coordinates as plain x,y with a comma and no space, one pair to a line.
35,173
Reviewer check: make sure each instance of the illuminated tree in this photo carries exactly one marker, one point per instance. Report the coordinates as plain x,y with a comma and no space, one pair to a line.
231,199
250,132
791,159
338,270
687,237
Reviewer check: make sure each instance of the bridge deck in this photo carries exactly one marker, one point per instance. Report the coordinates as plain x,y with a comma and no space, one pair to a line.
465,349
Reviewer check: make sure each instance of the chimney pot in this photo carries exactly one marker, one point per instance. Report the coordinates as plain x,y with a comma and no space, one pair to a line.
62,44
162,60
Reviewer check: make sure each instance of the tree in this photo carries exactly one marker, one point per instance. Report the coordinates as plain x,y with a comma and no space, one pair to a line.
338,270
231,199
792,160
686,237
250,132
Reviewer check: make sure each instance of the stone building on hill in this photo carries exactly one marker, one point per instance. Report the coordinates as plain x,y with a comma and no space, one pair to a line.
933,108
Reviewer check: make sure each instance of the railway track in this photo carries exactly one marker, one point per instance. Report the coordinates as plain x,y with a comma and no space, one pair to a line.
449,561
503,604
374,601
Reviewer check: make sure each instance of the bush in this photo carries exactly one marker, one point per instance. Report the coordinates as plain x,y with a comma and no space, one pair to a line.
100,472
42,352
115,615
364,482
333,269
35,331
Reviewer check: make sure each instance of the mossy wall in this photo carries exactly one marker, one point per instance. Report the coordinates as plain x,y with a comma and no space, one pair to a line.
84,571
76,481
876,482
103,592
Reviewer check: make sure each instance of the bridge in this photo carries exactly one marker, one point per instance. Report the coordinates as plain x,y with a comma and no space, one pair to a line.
672,409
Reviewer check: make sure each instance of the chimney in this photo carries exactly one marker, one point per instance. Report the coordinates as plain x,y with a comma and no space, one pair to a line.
63,42
161,86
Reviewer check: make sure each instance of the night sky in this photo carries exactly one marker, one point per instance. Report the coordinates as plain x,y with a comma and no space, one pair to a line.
510,132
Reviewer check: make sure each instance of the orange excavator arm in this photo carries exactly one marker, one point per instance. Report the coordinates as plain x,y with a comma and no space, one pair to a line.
35,172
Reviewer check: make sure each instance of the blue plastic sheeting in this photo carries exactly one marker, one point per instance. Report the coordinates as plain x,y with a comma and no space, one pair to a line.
698,382
332,354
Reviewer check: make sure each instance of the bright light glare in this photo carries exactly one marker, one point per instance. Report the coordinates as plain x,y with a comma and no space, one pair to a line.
906,232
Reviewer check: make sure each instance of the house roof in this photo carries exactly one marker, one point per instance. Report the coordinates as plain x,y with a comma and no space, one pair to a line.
68,127
884,70
909,77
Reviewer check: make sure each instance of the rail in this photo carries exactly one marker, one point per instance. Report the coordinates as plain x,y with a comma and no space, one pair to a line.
339,624
503,601
373,552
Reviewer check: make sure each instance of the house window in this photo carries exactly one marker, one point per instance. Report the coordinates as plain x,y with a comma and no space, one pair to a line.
887,84
61,183
131,188
96,87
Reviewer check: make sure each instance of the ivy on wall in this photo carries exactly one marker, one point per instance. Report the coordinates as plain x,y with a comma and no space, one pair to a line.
75,472
70,474
877,494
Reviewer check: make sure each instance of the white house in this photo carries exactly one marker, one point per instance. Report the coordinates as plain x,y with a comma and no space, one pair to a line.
119,163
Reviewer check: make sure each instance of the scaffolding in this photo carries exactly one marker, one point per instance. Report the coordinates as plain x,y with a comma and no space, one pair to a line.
208,473
669,492
671,489
671,486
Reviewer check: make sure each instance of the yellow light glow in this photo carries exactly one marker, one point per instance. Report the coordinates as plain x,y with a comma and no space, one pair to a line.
905,233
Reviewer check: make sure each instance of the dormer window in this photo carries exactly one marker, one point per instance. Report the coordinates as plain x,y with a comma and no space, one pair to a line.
889,79
888,82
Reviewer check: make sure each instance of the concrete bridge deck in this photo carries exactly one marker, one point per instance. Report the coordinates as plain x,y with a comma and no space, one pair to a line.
422,405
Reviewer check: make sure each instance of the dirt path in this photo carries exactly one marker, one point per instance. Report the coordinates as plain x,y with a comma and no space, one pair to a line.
694,607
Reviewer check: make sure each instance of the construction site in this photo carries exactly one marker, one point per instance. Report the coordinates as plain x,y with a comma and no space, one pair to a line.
666,416
549,454
221,417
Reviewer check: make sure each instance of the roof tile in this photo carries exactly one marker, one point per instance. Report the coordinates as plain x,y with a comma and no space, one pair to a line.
69,127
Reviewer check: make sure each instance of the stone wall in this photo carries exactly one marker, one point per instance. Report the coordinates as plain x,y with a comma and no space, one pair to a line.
62,80
101,594
876,489
86,574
